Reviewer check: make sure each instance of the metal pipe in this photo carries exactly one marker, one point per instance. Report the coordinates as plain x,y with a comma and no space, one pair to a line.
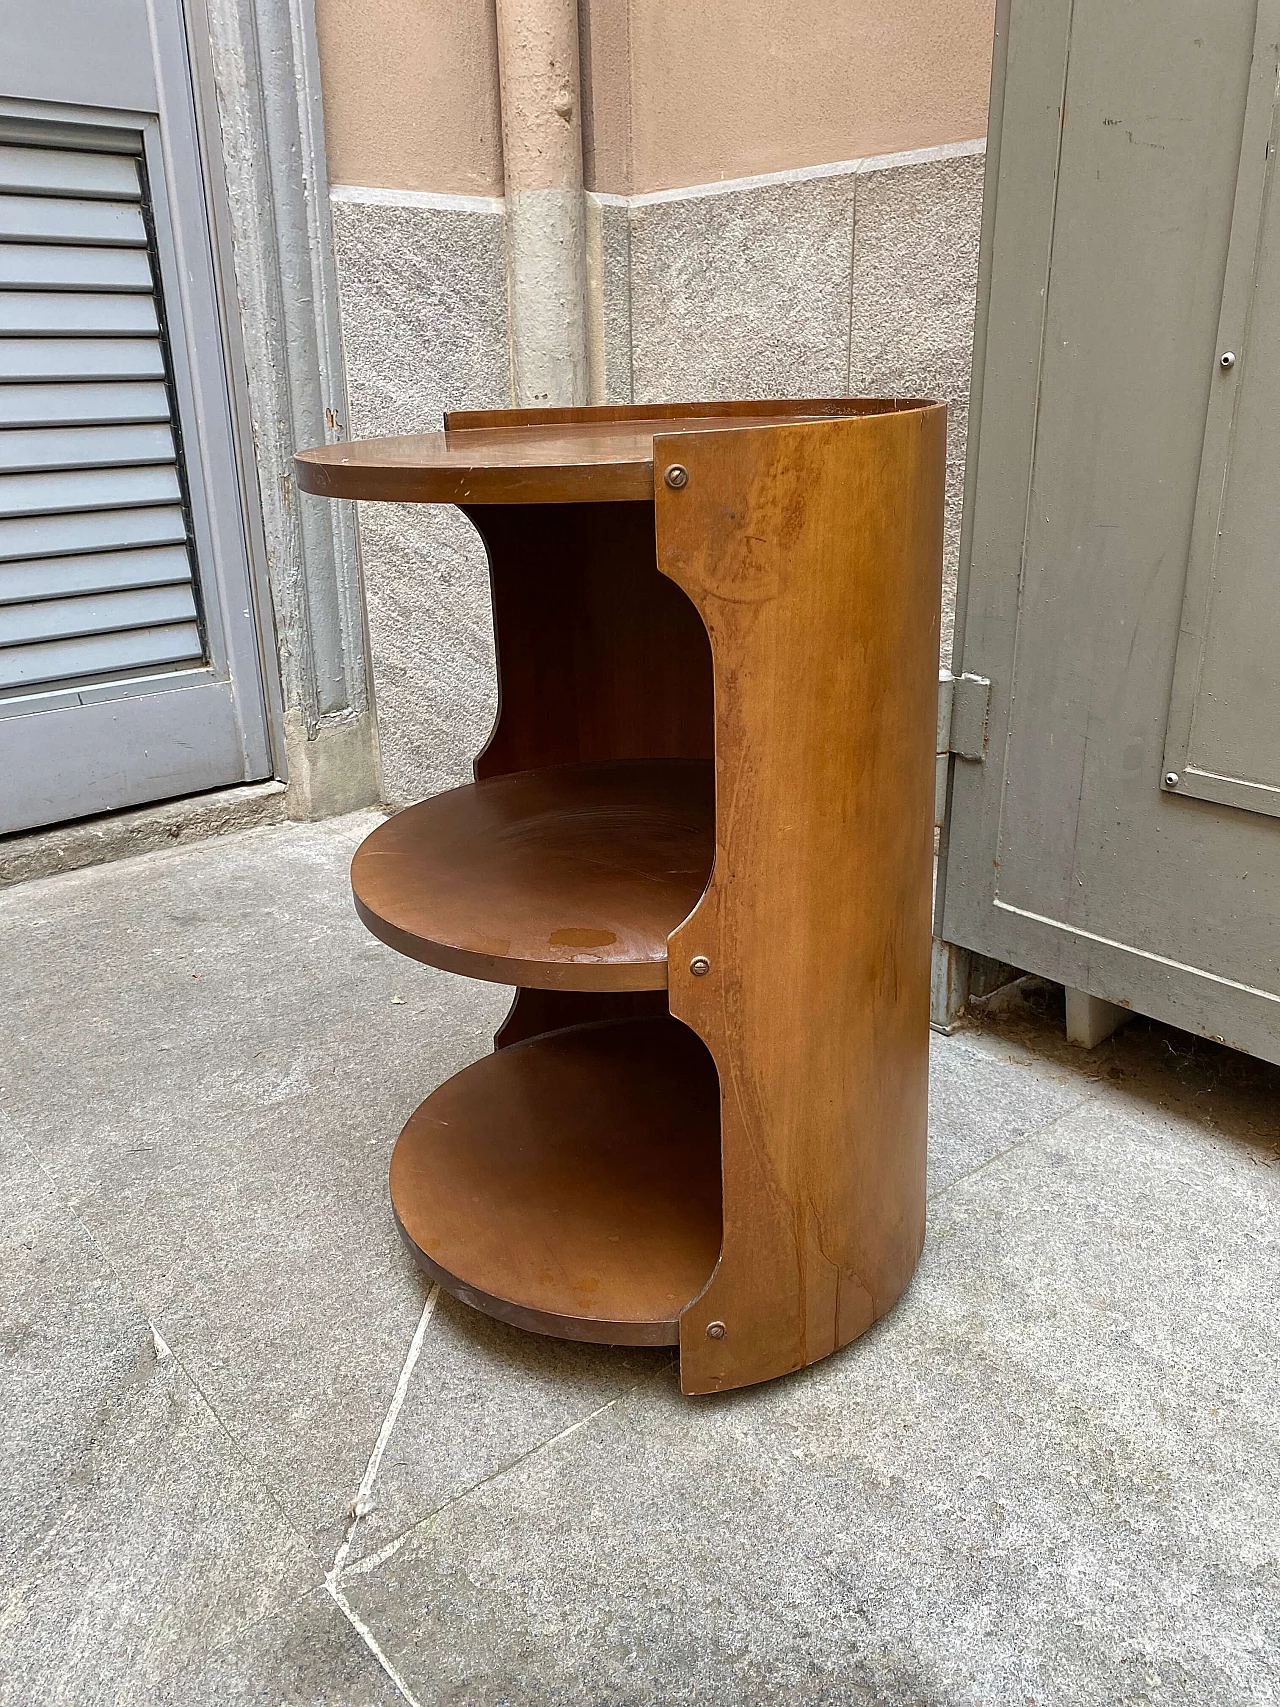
546,210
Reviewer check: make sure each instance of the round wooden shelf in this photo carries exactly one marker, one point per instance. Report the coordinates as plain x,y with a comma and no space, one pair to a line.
543,456
569,878
571,1184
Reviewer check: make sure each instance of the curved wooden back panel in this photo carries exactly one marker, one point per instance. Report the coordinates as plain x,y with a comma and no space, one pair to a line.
599,656
813,554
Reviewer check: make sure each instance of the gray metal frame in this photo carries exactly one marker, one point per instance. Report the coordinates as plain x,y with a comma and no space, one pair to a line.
120,743
252,67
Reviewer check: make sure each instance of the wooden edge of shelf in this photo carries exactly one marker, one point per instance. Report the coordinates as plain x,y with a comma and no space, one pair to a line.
583,975
582,1328
331,471
619,482
786,409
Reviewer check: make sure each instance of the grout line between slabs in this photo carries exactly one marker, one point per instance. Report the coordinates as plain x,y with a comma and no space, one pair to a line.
370,1641
360,1506
164,1353
393,1546
1018,1144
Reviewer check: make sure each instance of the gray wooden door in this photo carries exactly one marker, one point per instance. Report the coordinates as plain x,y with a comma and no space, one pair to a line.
130,667
1121,561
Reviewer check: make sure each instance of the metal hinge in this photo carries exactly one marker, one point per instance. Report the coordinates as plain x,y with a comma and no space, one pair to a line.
962,715
962,727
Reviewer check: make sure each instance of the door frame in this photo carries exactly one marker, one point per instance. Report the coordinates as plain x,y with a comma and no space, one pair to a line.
256,82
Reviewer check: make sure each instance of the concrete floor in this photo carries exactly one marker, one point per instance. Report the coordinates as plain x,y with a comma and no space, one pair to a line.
1050,1476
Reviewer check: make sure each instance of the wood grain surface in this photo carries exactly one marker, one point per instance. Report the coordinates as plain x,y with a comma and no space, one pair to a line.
567,878
599,655
778,632
570,1184
813,554
545,456
534,1012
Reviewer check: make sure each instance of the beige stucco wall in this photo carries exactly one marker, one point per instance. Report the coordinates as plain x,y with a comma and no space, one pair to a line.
673,94
411,94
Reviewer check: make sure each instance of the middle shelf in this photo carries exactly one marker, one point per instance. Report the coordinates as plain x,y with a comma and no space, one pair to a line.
566,878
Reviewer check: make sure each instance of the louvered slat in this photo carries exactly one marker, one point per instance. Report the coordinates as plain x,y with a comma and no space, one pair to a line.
95,569
67,171
58,536
80,358
66,219
98,613
87,489
61,313
85,447
67,266
81,402
94,572
98,655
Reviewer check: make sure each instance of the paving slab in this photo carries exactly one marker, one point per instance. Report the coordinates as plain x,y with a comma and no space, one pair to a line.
213,1059
483,1396
134,1540
306,1654
987,1094
1048,1476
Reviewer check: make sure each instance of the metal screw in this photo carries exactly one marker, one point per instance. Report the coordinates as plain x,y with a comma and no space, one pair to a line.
1228,358
1171,779
699,966
715,1330
678,475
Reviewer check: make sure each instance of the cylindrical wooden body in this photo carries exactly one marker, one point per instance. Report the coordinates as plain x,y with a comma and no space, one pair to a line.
761,597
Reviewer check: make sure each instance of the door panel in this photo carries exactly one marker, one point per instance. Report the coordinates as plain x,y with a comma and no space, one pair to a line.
124,574
1105,255
1223,740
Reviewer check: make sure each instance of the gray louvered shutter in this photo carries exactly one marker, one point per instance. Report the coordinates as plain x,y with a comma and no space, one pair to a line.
96,568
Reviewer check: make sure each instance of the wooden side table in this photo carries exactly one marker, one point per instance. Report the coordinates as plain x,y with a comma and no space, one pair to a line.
700,843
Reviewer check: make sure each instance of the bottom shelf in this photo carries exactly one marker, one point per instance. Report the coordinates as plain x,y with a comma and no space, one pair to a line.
571,1184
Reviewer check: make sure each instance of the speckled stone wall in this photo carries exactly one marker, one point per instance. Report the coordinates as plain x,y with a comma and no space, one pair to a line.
423,294
915,276
846,279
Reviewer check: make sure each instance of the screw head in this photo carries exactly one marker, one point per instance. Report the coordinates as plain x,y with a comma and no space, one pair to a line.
1227,358
699,966
677,476
1171,779
716,1330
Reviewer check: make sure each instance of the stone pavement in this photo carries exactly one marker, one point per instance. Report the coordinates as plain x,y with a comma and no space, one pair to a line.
1049,1477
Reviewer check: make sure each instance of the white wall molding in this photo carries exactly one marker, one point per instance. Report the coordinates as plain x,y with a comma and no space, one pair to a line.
436,201
445,202
801,174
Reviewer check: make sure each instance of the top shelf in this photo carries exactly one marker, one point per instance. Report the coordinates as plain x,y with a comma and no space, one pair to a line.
544,456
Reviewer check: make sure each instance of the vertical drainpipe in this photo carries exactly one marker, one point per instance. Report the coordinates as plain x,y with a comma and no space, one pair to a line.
546,210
